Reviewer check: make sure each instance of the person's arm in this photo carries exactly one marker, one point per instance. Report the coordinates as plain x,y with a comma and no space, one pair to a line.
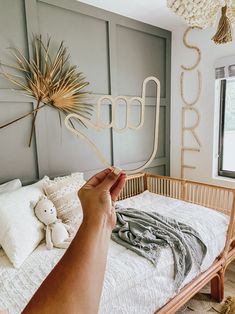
74,286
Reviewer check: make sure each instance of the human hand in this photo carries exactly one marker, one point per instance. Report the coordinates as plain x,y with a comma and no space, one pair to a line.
98,197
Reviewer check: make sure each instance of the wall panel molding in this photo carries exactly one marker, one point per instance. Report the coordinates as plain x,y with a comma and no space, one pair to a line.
16,158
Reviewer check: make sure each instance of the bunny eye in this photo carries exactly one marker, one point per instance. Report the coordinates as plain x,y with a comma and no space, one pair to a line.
45,211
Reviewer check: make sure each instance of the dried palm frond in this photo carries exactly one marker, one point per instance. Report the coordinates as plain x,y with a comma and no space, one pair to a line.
50,80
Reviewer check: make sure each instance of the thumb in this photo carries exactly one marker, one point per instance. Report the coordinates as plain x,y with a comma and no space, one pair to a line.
109,181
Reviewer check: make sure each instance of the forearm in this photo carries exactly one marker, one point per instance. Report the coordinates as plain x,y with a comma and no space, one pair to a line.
75,284
91,248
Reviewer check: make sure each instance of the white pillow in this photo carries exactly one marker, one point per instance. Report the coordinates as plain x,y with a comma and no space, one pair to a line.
20,230
10,186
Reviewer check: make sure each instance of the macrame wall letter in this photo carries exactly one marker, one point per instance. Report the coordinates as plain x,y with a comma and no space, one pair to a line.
198,51
98,125
190,107
191,128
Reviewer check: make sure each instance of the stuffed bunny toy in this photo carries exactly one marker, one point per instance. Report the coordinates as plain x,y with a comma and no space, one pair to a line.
56,232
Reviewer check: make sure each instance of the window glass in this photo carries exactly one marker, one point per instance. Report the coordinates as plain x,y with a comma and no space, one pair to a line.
229,127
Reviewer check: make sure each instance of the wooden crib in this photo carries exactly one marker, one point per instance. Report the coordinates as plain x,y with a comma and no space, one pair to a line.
221,199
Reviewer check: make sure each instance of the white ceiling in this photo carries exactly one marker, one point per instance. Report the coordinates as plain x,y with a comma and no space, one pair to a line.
153,12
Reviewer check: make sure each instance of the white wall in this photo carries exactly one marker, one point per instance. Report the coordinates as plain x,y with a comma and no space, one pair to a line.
206,105
154,12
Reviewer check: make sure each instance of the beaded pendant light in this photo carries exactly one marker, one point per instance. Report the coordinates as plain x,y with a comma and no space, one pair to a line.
204,13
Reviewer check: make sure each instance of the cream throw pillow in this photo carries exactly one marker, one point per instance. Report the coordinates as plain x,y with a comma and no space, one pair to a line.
62,191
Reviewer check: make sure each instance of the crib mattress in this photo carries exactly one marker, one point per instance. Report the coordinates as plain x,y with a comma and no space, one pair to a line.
132,284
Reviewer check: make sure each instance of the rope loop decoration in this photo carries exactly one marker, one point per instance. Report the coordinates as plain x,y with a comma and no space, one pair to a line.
99,125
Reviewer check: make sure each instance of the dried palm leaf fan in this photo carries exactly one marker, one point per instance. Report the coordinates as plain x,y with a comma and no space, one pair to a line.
50,80
204,13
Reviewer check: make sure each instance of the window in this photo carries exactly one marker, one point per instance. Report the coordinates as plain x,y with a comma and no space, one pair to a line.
226,164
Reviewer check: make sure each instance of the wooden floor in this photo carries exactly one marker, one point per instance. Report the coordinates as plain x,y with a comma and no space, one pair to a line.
202,303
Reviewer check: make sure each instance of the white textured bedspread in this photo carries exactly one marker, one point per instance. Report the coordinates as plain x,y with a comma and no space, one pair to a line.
132,284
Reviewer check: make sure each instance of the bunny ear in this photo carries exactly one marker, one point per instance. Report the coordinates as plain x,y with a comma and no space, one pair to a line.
34,203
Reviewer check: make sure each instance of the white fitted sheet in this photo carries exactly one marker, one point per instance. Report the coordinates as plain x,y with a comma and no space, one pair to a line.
132,284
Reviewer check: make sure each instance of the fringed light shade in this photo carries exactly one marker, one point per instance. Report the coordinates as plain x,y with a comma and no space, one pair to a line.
204,13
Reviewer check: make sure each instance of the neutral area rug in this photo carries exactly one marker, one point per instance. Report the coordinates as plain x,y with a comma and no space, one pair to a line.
202,302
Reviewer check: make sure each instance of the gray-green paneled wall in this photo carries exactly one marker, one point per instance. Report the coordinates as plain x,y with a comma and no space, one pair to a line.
116,54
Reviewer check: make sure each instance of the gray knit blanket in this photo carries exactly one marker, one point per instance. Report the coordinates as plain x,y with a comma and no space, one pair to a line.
146,233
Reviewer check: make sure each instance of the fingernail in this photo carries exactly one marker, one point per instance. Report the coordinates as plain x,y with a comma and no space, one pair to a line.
117,171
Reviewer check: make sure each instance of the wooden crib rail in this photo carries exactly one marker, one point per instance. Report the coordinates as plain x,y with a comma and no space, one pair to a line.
212,196
166,186
135,184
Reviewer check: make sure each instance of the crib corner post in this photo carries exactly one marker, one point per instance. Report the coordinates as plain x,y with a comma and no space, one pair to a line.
217,286
230,231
